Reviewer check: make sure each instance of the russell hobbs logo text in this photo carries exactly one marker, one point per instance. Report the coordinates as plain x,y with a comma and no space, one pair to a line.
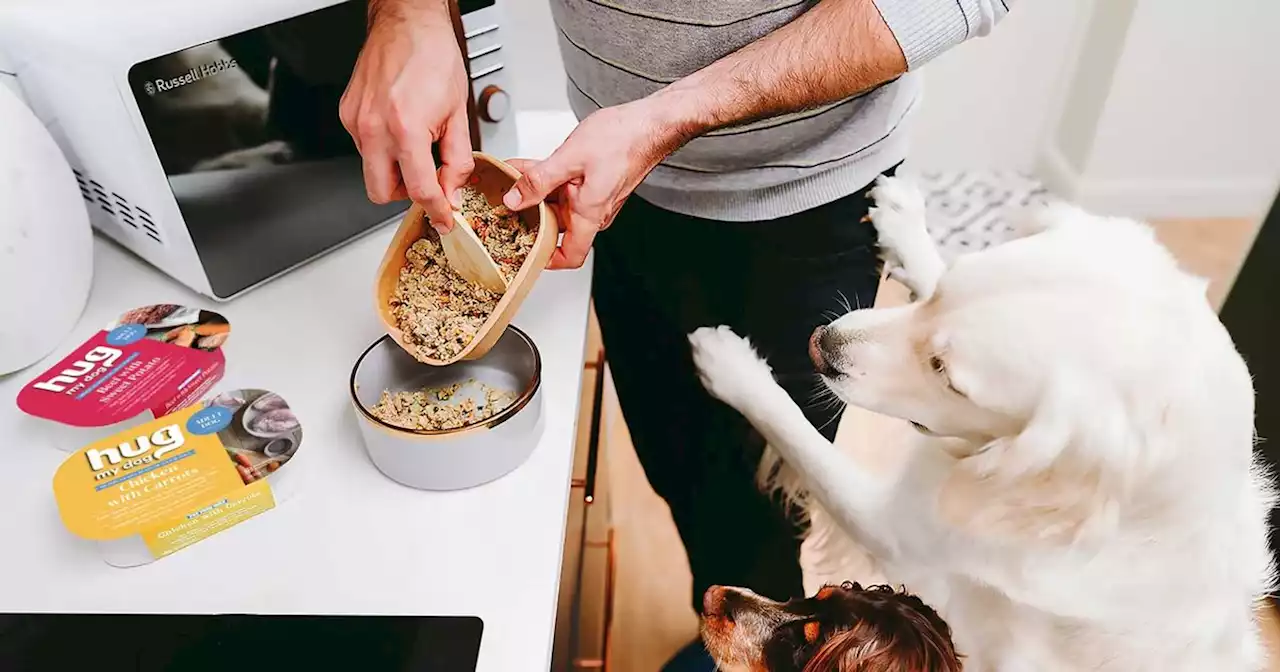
193,75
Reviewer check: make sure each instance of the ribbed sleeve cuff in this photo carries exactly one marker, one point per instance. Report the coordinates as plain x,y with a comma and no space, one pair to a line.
926,28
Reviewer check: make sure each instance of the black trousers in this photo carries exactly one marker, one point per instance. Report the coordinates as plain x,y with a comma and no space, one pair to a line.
660,275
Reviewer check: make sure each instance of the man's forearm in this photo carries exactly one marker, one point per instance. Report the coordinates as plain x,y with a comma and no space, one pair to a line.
399,10
835,50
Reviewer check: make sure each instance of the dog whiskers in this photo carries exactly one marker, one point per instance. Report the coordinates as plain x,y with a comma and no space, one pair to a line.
833,418
820,391
844,301
823,399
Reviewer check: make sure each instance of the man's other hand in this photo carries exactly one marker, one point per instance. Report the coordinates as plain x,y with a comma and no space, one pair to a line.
588,178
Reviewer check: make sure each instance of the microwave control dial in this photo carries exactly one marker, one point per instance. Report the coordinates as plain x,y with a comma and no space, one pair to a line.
494,104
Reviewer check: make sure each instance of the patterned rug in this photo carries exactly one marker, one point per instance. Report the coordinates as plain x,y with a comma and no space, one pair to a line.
970,210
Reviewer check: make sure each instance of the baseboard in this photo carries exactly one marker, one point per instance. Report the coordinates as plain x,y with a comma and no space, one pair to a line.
1156,199
1243,199
1058,175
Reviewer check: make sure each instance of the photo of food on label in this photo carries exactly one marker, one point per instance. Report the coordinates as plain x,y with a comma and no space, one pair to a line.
263,433
179,325
147,363
438,310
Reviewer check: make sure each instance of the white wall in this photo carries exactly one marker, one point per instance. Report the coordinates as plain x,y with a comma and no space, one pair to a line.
988,102
1101,45
533,58
1190,124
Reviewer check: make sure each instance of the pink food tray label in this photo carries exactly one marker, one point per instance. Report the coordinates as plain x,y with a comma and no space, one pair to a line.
158,358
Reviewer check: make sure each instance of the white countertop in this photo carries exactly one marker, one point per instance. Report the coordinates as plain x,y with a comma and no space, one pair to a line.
349,541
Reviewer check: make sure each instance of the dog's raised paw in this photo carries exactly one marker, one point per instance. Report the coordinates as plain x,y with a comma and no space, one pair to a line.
897,194
899,212
906,246
728,365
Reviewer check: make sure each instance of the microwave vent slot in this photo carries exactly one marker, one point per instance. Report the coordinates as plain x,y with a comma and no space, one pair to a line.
152,230
84,186
117,206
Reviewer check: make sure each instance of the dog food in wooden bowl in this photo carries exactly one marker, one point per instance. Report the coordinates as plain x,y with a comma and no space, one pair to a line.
432,311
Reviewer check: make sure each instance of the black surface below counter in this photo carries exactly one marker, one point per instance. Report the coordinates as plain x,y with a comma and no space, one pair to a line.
1251,314
239,643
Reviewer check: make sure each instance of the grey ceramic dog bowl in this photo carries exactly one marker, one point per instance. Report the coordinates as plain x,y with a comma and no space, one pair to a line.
451,459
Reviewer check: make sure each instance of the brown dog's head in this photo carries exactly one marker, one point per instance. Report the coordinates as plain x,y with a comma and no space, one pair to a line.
844,628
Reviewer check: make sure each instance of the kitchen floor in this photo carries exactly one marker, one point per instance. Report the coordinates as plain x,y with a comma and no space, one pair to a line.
652,617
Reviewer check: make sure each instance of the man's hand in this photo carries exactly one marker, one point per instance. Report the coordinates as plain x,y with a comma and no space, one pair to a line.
588,177
408,90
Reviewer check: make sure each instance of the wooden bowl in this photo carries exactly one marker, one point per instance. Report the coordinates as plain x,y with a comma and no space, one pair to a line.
493,178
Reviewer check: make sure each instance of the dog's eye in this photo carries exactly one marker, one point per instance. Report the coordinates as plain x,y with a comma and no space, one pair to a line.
940,368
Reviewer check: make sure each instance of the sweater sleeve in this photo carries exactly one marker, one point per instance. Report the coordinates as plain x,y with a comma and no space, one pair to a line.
926,28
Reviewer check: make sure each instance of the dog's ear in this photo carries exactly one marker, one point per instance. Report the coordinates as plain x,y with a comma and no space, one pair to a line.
1058,482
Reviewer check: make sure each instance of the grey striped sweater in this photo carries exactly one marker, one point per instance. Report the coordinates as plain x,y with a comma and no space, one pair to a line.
616,51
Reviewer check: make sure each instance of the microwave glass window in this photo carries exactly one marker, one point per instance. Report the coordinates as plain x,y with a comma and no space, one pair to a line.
247,130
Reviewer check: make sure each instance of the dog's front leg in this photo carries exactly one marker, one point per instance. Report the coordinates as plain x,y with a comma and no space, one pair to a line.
905,244
731,371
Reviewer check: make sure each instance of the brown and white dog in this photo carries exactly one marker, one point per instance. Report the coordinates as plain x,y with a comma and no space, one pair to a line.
845,628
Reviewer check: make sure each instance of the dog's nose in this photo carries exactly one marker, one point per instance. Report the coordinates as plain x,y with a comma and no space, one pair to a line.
817,341
713,601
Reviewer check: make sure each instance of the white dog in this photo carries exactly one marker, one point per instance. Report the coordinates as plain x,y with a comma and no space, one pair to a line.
1082,492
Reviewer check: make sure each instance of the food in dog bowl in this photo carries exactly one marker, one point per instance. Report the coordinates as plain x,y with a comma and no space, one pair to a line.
494,425
275,421
438,311
451,407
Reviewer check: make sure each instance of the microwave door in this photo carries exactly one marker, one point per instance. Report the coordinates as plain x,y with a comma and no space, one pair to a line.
247,130
249,224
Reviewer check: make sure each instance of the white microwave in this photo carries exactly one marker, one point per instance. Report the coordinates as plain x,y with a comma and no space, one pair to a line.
205,135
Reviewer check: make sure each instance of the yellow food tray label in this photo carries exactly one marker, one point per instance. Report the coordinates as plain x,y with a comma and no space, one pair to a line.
181,478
